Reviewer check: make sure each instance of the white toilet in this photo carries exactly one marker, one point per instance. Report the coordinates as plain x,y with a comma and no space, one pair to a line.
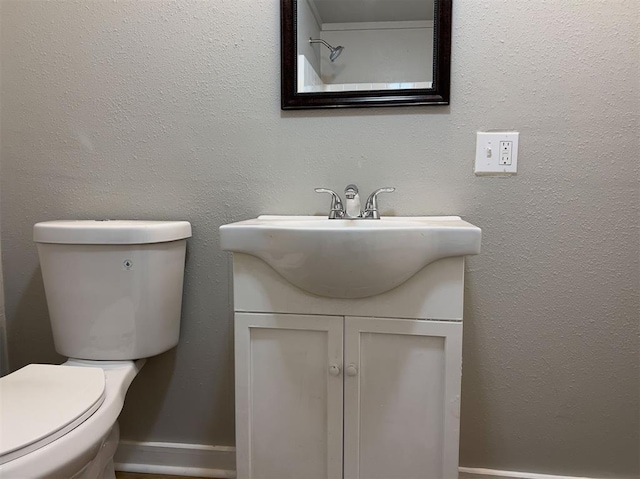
114,291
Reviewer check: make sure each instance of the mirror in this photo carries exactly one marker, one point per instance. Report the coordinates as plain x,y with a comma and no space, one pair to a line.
360,53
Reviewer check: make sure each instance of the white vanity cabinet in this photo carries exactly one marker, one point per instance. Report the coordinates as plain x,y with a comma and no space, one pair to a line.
288,396
347,388
401,398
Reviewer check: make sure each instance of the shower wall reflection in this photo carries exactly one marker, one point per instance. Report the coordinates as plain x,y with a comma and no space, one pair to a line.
383,48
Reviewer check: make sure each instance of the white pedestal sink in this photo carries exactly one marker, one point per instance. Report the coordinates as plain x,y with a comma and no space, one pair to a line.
350,258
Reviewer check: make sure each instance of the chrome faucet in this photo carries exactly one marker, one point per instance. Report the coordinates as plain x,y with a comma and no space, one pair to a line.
352,210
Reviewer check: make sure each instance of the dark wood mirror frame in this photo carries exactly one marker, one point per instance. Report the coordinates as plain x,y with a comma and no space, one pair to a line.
437,95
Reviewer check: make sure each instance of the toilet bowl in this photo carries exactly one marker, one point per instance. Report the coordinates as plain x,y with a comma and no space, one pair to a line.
114,291
86,448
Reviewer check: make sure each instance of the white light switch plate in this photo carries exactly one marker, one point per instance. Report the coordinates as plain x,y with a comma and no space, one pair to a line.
497,153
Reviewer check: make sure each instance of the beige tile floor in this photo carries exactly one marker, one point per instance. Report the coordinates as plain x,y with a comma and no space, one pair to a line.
133,475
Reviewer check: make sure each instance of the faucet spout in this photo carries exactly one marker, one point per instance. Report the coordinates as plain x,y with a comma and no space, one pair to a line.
352,203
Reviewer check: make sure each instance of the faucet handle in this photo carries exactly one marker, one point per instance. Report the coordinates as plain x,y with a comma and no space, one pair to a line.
337,209
371,206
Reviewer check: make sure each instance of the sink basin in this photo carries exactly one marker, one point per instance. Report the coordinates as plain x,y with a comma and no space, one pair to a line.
350,258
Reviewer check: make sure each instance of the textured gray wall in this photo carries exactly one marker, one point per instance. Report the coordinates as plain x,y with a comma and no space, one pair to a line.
170,110
4,353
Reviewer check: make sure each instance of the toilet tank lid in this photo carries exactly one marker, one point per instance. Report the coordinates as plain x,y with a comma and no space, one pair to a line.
110,231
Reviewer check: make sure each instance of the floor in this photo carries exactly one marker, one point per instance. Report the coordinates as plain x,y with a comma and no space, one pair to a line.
134,475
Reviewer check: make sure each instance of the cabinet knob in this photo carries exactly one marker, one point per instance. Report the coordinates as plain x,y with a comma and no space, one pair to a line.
352,370
334,370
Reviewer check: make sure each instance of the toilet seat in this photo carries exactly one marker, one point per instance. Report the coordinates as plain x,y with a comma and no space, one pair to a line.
40,403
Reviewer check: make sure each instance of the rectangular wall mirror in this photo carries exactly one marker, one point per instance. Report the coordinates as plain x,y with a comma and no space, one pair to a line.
364,53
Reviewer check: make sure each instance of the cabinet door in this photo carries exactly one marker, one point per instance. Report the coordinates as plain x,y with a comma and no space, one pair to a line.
402,398
289,396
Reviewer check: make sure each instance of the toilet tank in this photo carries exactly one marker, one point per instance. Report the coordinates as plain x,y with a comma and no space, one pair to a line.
113,288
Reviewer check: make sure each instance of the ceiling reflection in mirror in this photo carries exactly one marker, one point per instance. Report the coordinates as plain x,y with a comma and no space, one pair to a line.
353,45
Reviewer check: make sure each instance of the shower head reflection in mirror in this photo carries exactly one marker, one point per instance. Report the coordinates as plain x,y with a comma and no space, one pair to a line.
335,52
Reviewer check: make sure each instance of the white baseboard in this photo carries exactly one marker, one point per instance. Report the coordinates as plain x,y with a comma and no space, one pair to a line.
174,459
195,460
476,473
